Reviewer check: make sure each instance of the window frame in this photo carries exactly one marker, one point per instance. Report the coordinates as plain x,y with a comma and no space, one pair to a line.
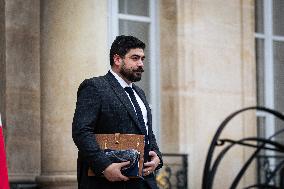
269,82
268,66
269,38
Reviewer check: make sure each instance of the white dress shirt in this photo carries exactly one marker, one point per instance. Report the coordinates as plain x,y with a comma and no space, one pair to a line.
140,102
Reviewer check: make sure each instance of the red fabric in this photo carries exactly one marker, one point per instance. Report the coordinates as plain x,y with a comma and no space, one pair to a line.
4,183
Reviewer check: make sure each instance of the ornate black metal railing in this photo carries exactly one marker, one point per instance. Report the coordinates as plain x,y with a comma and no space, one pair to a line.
23,186
256,143
267,166
173,174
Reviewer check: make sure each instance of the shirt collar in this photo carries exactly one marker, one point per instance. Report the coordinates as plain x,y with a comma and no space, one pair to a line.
120,80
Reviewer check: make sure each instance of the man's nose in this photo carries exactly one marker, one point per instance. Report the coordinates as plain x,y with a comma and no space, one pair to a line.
140,62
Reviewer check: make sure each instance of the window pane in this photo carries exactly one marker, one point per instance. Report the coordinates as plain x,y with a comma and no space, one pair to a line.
279,80
141,31
136,7
261,126
260,71
259,28
278,15
279,75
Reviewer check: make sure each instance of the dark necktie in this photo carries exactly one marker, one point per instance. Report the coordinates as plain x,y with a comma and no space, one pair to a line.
139,115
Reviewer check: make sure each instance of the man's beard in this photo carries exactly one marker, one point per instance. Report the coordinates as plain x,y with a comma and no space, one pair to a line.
131,75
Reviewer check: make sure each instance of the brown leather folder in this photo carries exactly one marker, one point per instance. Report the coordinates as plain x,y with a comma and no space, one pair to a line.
119,141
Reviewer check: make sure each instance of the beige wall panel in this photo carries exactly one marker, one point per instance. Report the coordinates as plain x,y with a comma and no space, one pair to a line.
168,45
22,89
169,135
249,77
211,111
74,47
215,72
169,101
2,59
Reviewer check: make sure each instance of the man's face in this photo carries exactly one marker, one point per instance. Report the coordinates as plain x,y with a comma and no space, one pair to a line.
132,65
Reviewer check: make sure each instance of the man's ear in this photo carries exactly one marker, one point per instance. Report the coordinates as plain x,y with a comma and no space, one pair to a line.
117,59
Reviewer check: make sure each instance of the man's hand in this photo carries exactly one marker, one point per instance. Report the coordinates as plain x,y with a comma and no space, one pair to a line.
113,173
150,167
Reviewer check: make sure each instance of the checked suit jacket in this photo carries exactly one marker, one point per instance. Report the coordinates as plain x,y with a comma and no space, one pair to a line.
103,107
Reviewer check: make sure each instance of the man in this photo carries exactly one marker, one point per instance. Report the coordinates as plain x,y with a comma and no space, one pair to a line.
114,104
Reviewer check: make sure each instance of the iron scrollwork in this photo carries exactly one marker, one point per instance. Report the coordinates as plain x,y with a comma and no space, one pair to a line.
257,143
173,176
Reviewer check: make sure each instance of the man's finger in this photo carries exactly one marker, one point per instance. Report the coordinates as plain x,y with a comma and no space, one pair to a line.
123,178
122,164
149,164
152,153
146,172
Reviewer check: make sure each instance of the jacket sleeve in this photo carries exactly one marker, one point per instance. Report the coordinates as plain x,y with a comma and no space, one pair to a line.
153,143
86,113
155,148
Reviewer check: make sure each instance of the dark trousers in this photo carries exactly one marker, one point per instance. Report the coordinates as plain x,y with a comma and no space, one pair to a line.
102,183
136,183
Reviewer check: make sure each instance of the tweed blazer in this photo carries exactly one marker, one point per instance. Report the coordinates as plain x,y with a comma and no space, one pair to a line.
103,107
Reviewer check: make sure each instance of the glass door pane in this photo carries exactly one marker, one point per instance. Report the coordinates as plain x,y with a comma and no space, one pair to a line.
278,15
135,7
278,48
260,71
259,26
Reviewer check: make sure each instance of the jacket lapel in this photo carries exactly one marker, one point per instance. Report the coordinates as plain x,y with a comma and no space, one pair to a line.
120,93
143,98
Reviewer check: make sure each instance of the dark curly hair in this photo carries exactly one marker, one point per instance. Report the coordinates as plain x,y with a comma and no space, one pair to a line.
123,44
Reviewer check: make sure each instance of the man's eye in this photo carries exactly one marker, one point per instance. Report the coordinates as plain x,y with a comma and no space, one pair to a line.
135,58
